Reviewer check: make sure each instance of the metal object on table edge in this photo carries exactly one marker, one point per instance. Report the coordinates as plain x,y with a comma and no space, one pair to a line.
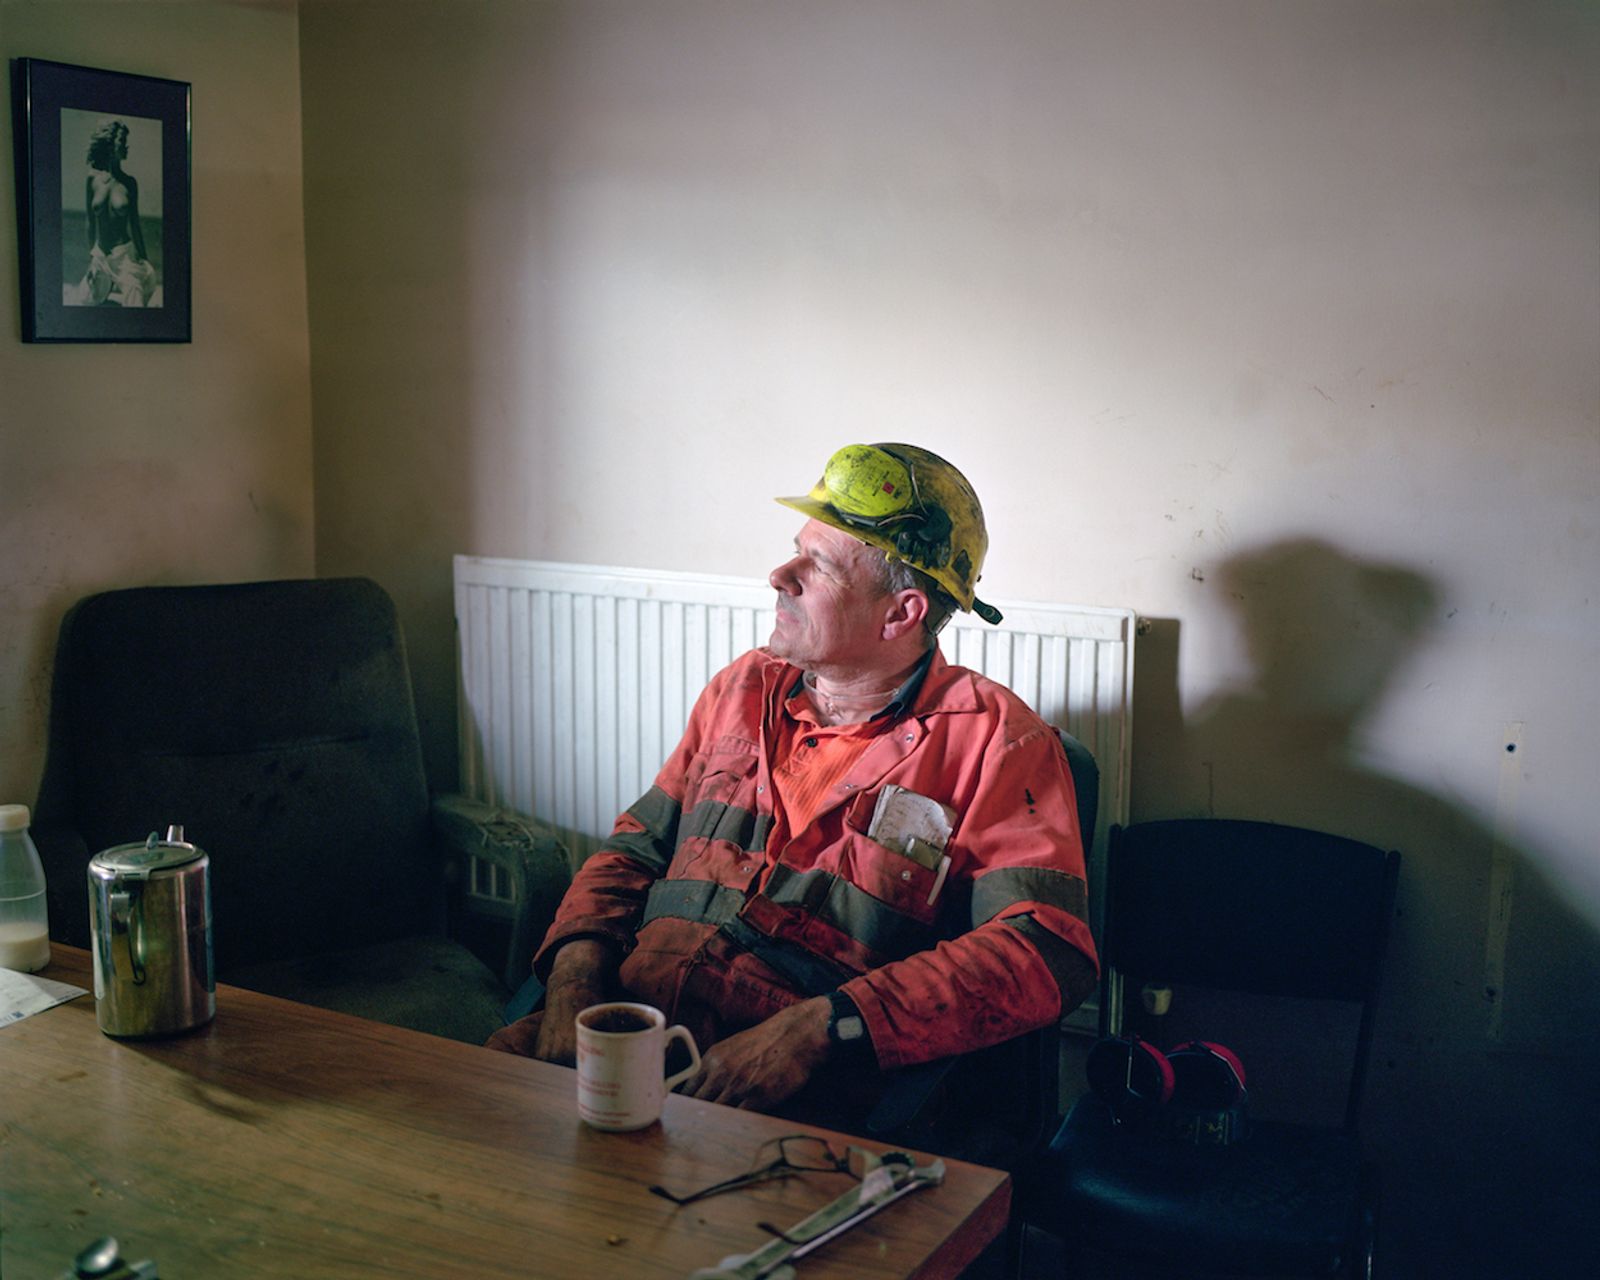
885,1179
102,1260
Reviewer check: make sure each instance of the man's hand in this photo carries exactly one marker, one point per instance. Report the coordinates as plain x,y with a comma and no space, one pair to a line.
578,978
767,1063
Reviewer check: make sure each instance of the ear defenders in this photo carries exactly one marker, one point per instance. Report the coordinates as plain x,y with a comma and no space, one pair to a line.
1195,1092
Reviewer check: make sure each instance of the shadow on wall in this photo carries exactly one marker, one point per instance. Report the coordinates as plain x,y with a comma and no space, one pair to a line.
1482,1104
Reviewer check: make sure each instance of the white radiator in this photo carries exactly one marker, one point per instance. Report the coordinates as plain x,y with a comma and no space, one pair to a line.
575,682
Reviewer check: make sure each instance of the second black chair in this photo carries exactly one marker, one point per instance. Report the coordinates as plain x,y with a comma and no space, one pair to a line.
1277,912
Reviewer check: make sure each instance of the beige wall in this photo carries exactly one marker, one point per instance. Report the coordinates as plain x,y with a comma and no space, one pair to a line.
1277,322
123,465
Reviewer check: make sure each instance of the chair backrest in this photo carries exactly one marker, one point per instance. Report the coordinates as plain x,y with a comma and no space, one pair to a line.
1251,907
1085,783
274,721
1031,1065
1040,1053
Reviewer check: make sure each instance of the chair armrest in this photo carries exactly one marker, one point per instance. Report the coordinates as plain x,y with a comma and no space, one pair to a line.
906,1092
510,867
1025,1070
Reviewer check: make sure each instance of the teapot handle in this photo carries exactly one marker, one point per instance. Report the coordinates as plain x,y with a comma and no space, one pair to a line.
136,948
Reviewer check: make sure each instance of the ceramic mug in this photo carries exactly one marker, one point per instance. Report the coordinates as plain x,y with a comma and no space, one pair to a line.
622,1064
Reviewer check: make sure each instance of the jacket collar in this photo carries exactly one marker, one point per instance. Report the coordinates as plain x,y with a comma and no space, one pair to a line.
945,687
933,686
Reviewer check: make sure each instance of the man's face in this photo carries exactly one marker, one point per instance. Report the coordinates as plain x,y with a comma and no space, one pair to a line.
828,598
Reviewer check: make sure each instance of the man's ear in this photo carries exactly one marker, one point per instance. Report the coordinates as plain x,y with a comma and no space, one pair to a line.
906,611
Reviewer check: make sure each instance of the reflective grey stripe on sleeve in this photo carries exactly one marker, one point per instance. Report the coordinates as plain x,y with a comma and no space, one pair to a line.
703,901
1072,970
849,909
642,847
657,813
996,890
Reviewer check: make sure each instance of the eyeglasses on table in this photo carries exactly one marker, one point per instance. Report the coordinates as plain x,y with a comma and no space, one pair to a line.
778,1158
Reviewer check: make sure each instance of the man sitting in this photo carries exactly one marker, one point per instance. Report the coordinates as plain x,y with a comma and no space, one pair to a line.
859,856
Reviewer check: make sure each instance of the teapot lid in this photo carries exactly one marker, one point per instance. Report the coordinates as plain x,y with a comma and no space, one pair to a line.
143,858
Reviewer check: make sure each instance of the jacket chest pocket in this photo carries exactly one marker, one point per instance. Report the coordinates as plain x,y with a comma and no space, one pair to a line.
895,879
723,775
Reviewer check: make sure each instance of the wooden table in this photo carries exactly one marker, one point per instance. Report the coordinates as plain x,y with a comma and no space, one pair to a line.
284,1140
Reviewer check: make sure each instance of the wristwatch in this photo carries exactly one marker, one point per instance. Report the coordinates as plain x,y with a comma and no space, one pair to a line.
847,1029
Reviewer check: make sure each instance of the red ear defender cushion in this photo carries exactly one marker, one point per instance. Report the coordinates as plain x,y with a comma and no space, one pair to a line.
1209,1104
1131,1074
1205,1075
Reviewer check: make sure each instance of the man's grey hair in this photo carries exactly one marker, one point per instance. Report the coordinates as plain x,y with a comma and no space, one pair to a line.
897,575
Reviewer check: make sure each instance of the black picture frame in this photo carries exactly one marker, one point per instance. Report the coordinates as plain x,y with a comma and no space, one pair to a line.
91,271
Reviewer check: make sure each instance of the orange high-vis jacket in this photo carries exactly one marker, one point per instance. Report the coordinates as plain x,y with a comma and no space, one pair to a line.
725,916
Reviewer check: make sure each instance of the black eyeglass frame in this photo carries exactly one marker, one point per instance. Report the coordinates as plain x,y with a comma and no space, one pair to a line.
780,1166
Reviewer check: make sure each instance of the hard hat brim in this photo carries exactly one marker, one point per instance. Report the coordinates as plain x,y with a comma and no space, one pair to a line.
825,512
806,505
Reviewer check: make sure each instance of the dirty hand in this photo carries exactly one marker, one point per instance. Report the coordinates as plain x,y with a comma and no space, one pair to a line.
767,1063
578,979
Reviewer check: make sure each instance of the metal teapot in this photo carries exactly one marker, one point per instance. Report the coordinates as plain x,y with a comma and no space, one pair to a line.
150,929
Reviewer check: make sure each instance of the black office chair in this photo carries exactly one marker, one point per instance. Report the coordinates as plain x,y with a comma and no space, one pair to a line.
999,1105
274,722
1277,912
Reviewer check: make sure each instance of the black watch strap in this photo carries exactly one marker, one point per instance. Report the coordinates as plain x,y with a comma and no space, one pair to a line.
847,1030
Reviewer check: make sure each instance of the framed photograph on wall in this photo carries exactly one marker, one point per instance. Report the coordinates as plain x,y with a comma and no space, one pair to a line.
103,197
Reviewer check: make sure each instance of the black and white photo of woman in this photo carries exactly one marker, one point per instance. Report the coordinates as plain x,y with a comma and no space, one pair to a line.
119,270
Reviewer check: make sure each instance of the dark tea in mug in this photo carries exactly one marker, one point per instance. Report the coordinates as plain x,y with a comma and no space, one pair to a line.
618,1021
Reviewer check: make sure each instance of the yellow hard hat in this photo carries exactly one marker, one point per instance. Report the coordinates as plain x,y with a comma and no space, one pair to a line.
913,506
